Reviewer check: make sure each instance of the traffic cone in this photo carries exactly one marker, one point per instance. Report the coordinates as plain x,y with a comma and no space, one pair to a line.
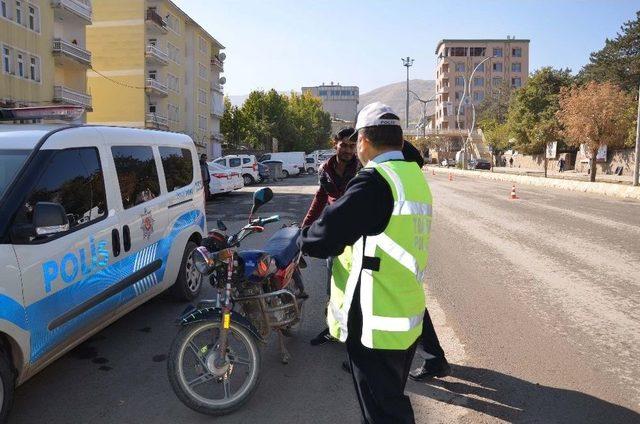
450,177
513,193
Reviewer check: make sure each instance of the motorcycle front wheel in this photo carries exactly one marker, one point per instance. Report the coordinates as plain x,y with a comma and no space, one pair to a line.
203,381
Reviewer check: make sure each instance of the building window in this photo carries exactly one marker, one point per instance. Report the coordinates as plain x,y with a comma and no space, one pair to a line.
173,83
460,81
477,51
173,23
458,51
516,82
3,9
33,18
497,52
459,67
322,93
33,69
202,96
203,45
202,71
20,65
174,53
478,96
458,95
174,113
516,52
478,82
480,68
6,60
153,74
202,122
516,67
496,82
497,67
19,12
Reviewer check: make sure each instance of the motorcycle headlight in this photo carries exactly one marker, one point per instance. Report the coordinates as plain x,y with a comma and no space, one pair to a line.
202,260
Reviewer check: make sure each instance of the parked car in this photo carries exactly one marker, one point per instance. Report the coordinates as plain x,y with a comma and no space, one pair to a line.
293,163
448,162
224,180
94,221
246,165
479,164
274,165
263,172
311,166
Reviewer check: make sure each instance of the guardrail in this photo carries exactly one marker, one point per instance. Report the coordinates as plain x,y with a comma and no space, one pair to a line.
61,46
66,95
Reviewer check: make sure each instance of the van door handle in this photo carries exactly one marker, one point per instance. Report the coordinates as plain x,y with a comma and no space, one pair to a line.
126,238
115,242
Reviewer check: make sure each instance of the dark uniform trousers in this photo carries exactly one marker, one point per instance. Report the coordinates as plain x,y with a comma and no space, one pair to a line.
379,375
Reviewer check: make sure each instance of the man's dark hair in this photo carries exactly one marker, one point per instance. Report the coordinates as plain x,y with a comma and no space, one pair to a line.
344,134
384,135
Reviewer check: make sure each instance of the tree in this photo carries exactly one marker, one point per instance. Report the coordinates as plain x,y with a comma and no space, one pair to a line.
596,114
619,60
532,110
312,125
492,118
232,125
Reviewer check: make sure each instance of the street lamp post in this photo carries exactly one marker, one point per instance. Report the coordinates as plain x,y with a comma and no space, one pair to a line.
408,62
424,109
636,169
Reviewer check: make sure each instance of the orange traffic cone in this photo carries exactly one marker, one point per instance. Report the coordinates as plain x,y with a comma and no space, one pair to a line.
513,193
450,177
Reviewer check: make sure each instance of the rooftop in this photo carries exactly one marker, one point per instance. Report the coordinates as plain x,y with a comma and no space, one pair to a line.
480,40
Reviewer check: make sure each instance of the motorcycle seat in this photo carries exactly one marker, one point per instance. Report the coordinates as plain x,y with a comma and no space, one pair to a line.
282,246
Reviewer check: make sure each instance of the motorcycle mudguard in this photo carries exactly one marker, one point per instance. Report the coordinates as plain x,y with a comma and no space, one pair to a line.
211,313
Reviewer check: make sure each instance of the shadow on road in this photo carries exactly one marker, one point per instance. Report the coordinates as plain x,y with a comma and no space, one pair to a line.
515,400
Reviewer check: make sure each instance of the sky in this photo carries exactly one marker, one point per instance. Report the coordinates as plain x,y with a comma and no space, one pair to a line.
287,44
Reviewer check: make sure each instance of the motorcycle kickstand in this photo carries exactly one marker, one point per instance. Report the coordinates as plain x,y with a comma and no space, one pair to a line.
284,353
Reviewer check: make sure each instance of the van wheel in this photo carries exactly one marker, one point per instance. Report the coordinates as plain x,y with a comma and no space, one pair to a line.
285,173
311,171
248,179
7,386
189,282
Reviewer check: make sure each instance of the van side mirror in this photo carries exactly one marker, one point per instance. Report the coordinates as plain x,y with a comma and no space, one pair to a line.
49,218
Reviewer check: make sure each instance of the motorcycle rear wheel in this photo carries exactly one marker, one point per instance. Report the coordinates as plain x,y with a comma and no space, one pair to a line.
244,364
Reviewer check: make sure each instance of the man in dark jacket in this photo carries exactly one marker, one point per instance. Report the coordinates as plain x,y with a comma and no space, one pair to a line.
333,175
206,177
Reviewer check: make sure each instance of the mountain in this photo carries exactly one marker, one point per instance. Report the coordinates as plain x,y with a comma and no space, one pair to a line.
395,95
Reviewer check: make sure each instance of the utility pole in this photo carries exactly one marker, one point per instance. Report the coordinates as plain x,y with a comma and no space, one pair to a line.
636,169
408,62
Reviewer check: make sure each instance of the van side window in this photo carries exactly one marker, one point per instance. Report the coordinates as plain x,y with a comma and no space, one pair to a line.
264,157
233,162
178,167
137,174
245,160
73,178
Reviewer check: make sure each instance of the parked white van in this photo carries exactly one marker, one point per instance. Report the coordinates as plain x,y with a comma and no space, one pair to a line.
293,163
245,164
94,221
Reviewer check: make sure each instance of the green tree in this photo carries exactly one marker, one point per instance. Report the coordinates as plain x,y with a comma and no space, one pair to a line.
232,126
619,60
312,125
532,110
492,118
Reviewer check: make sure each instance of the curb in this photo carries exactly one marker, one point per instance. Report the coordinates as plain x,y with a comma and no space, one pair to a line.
604,189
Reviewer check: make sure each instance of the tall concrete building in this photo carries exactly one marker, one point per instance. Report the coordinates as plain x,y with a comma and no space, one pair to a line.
341,102
156,67
507,67
44,53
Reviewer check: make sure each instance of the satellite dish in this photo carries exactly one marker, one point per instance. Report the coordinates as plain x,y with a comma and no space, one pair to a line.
222,80
222,56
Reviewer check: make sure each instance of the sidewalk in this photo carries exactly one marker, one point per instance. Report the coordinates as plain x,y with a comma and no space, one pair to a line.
606,185
567,175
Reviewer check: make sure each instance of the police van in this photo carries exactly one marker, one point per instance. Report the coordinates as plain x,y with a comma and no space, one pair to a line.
94,221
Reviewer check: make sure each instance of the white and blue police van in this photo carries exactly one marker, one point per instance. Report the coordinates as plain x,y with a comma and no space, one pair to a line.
94,221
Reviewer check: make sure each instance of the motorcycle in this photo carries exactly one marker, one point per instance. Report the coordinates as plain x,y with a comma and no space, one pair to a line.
214,364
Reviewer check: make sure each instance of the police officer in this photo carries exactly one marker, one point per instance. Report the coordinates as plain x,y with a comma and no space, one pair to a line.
379,231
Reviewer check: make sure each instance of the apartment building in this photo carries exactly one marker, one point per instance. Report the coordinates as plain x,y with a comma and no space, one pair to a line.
156,67
44,53
499,64
341,102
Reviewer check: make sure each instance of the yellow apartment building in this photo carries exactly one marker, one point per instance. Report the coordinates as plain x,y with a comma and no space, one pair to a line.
155,67
44,53
498,63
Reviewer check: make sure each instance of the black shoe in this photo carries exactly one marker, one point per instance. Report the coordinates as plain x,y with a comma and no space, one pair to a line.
346,367
322,338
431,369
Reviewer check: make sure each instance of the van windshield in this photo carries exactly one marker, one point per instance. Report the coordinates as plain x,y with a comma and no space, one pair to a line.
10,163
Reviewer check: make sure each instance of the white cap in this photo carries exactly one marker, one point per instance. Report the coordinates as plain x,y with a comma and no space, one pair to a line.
370,115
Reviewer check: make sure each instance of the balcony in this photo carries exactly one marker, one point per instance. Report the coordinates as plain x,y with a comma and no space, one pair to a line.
78,8
157,121
156,22
62,94
217,63
155,87
71,51
155,55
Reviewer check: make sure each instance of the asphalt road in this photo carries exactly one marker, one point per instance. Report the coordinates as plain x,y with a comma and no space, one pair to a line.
535,302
